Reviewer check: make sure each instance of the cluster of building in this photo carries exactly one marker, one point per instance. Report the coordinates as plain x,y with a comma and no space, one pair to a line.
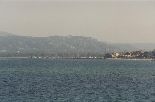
131,55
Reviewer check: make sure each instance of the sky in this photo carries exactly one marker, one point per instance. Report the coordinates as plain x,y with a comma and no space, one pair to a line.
121,21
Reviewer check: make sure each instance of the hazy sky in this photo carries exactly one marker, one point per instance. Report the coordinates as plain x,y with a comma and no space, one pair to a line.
108,20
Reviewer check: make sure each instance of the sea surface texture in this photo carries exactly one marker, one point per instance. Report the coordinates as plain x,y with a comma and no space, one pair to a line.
77,80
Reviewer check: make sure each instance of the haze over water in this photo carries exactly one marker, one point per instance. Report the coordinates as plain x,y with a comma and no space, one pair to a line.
123,21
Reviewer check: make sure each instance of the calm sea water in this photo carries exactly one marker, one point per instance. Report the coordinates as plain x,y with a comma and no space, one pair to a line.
77,80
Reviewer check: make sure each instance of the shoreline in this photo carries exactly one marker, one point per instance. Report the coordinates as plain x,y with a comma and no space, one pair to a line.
76,58
130,59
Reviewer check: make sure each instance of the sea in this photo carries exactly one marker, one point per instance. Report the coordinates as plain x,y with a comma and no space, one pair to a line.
76,80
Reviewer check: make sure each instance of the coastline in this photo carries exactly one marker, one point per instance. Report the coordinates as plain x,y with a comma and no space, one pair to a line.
13,57
149,59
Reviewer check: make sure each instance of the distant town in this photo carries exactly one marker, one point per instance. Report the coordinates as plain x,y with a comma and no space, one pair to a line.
132,55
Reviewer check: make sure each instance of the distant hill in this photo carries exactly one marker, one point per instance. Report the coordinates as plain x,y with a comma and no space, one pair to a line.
125,47
144,46
54,45
136,46
11,44
2,33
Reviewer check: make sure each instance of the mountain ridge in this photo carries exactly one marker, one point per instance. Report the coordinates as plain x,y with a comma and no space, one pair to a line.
53,45
56,46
